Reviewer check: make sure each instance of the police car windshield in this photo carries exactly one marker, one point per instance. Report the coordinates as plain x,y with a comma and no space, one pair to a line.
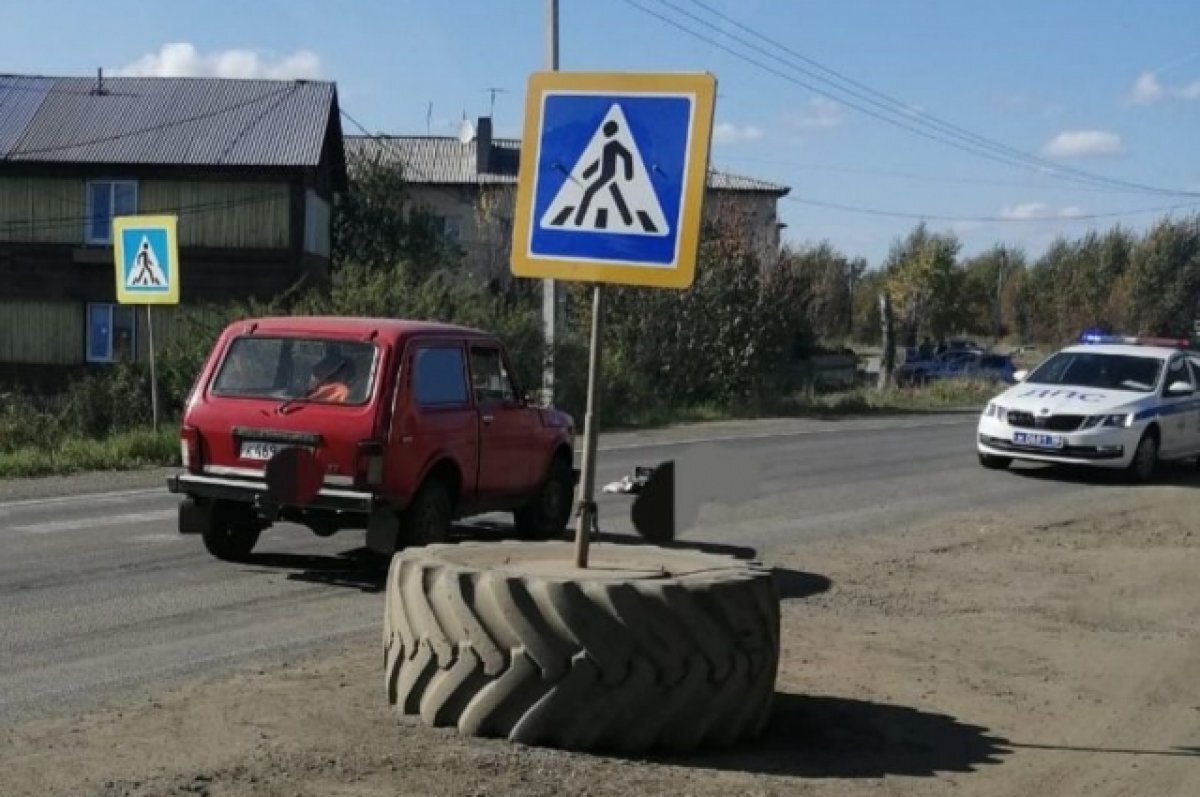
1092,369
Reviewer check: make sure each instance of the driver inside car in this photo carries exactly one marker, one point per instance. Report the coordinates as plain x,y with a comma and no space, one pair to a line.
332,378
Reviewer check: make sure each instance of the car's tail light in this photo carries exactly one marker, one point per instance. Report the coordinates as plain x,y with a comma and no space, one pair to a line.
191,451
368,464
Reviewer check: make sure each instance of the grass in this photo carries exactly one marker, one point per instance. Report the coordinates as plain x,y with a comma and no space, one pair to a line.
133,450
144,448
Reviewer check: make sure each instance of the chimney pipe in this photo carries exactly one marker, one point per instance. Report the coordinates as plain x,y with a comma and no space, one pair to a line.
483,145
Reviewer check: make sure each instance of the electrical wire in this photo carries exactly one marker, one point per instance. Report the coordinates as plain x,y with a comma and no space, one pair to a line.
895,105
896,214
966,141
65,222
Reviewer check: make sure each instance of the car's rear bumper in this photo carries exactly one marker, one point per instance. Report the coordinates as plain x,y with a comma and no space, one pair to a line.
254,491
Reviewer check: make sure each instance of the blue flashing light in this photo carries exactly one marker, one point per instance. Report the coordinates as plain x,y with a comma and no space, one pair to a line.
1096,337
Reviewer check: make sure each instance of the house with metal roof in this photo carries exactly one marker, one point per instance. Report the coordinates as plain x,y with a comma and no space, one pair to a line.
468,182
249,167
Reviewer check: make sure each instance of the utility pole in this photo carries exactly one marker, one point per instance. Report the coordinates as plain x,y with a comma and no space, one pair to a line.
1000,273
549,288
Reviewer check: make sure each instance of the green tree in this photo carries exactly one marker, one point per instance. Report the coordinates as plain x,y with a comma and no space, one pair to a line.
924,281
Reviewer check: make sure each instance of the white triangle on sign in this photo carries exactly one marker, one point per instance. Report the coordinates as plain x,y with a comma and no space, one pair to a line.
609,188
146,272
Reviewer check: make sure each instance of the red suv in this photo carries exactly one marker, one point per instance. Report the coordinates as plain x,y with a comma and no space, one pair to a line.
397,427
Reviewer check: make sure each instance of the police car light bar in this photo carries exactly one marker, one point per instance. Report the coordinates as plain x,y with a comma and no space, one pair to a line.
1133,340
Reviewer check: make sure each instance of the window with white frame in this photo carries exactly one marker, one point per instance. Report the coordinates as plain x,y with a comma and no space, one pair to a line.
105,199
111,333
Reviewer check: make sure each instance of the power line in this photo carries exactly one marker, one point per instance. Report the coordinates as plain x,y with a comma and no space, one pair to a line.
907,110
927,178
63,222
897,214
964,140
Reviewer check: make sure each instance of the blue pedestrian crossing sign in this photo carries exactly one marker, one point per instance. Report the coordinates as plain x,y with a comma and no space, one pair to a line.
147,259
612,177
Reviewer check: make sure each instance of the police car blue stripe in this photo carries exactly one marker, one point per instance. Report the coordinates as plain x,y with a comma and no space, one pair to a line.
1164,410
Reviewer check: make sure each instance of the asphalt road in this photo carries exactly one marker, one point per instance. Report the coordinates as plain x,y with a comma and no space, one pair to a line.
101,595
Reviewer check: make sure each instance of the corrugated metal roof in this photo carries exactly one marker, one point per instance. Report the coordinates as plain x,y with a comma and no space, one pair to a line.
19,100
445,160
168,121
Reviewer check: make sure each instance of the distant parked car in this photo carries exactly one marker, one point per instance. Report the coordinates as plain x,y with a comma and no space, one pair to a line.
958,364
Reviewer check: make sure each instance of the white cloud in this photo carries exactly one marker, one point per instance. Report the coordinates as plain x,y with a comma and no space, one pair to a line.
1083,144
1190,92
821,113
1039,210
729,133
1146,90
181,59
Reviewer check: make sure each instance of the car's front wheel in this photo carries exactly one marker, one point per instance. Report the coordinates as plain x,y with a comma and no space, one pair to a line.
1145,458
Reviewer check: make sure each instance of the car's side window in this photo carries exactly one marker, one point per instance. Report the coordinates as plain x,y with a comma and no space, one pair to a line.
489,377
1177,371
439,376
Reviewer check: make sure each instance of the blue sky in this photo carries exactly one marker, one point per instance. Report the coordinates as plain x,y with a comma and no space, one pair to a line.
1103,86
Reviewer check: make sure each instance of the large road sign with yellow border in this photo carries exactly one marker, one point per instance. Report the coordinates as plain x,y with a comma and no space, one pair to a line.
612,177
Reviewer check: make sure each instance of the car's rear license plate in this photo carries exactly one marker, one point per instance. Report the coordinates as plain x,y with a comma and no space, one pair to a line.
260,451
1038,440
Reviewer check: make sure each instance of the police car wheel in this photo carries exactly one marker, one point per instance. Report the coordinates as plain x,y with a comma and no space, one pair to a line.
1145,458
992,462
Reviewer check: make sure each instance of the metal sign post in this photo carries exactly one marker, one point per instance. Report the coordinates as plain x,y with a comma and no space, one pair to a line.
153,371
611,187
146,254
587,499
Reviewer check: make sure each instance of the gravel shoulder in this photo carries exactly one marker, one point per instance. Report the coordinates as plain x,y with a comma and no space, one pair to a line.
1049,649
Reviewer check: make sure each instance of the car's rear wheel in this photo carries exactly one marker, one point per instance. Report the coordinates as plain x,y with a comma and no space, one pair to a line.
427,519
993,462
1145,459
230,542
547,515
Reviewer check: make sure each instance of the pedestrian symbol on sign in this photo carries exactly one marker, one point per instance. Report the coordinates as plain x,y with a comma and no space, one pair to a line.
146,271
609,188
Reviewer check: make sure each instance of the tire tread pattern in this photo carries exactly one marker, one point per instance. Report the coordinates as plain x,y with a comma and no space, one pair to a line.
627,666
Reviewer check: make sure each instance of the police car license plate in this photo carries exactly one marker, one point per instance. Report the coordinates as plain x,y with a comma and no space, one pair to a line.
260,451
1038,440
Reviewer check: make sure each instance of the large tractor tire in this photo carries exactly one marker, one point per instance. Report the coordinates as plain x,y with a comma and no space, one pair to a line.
647,648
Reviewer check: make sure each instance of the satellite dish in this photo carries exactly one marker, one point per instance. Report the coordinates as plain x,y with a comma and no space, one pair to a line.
466,131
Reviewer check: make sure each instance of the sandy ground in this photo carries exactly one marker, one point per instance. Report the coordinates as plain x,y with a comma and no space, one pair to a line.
1049,650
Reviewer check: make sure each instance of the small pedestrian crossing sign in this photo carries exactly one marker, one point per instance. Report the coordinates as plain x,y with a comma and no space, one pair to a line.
612,177
147,259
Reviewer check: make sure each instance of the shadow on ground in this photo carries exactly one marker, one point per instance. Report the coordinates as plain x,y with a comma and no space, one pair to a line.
813,736
1170,474
358,568
364,570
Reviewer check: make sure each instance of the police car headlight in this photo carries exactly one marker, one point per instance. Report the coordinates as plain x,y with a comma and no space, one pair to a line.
994,411
1118,421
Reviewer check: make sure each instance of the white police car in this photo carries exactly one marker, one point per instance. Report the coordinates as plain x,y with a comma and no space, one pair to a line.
1112,402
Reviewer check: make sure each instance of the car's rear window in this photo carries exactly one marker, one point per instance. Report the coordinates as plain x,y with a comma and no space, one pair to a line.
297,368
